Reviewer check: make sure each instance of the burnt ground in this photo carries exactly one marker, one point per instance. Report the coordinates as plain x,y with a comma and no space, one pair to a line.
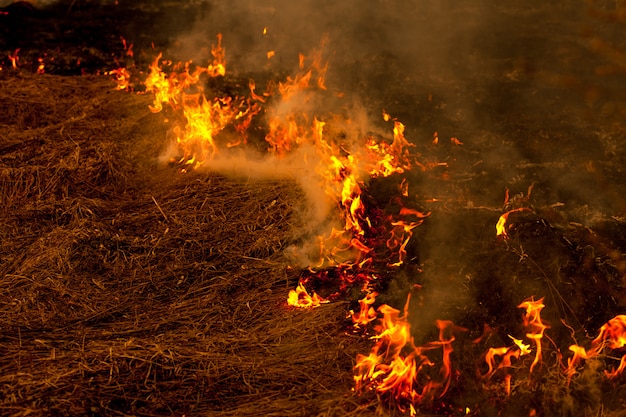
130,289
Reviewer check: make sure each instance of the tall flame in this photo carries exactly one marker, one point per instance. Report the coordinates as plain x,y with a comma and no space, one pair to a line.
534,325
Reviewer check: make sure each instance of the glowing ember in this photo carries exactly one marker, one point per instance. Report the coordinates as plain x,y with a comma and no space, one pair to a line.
41,66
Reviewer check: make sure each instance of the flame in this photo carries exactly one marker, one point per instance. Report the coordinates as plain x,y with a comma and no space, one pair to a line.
14,58
402,232
536,327
612,335
41,66
501,226
507,354
367,313
128,47
339,166
218,66
122,78
204,119
535,331
302,299
398,368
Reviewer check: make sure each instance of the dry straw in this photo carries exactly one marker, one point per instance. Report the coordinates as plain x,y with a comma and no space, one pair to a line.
131,289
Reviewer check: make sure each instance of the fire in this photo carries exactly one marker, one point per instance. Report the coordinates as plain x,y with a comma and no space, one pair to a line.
367,313
398,368
14,58
302,299
501,226
41,67
204,118
612,335
342,167
536,327
122,77
507,354
218,66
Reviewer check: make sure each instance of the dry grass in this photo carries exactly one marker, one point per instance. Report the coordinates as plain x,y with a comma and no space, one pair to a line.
130,289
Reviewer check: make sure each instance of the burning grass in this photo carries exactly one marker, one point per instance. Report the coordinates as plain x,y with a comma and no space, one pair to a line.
135,287
129,287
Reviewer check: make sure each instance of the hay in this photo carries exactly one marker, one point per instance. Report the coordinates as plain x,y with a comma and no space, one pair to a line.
128,293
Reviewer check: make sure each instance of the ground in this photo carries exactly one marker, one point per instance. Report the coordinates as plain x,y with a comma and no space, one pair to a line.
131,288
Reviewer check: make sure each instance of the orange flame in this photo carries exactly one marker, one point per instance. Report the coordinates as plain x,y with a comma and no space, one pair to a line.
122,77
501,226
204,119
14,58
302,299
402,232
396,366
507,354
367,312
536,327
341,167
41,66
612,335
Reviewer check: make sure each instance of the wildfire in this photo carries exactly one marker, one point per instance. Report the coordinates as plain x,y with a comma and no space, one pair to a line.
342,166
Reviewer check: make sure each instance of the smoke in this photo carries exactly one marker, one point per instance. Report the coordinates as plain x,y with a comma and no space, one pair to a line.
498,77
380,55
308,164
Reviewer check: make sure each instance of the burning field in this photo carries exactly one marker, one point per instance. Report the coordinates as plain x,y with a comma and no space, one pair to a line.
312,209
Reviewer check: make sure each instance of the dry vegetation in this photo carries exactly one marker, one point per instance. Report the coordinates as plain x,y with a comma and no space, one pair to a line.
128,293
130,288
